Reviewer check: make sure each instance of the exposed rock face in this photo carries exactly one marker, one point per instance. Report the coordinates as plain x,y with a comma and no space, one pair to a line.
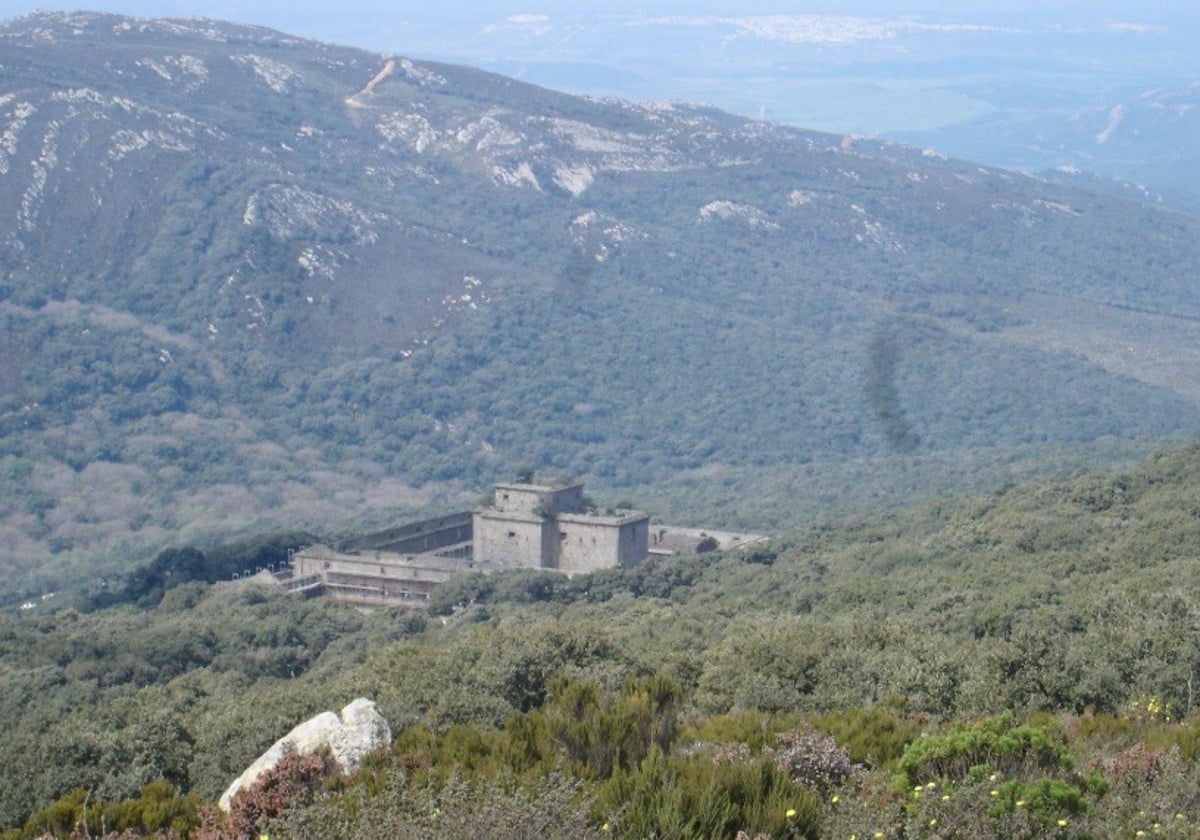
359,730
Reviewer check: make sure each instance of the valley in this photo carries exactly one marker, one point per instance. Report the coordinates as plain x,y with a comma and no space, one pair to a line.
259,292
285,312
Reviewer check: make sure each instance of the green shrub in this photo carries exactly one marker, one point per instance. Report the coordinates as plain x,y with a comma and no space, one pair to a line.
598,737
992,743
695,796
751,727
1046,800
158,808
485,809
875,737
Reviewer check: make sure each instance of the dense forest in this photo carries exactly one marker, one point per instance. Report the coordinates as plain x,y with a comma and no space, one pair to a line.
341,307
963,399
1016,664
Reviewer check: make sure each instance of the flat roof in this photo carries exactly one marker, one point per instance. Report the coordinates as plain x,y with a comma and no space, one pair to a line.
620,517
539,488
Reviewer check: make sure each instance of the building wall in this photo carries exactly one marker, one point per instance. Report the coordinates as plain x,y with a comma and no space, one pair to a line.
377,591
308,562
538,526
586,543
538,499
635,542
511,541
322,560
383,580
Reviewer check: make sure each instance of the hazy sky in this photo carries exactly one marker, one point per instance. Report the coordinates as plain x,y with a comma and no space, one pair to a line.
881,77
401,27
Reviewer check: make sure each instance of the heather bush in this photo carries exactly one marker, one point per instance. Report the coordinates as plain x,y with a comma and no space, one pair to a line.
291,783
811,758
1155,791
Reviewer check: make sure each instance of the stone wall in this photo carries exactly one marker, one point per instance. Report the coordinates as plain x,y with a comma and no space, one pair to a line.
546,527
509,540
378,579
588,543
538,499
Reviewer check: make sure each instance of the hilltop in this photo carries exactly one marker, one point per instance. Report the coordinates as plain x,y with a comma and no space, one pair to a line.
250,281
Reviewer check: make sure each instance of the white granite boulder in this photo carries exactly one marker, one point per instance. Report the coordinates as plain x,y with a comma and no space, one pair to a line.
357,731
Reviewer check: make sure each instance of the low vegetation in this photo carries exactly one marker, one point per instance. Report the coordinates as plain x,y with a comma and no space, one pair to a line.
1021,664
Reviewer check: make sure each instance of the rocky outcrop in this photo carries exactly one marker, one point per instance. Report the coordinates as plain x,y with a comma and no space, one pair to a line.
357,731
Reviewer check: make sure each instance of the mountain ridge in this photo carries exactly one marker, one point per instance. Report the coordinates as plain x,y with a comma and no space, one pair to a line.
303,289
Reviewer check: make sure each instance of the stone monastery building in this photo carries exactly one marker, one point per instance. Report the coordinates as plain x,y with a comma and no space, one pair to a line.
548,527
538,526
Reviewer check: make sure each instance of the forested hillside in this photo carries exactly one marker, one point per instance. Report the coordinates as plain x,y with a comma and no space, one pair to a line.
1027,659
250,282
257,291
